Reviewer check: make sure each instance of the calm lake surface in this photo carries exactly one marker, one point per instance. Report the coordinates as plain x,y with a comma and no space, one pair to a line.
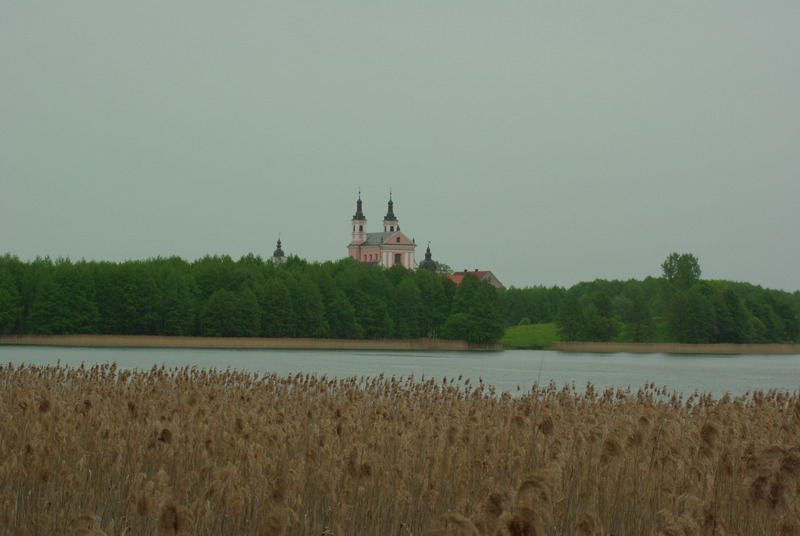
734,374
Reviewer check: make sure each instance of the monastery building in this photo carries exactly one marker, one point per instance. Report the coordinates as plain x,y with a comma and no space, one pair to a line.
385,248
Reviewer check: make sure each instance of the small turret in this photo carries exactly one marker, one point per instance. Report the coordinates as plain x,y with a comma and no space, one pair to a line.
428,263
278,257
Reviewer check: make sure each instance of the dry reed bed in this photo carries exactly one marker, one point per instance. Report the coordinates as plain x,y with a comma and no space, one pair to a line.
102,451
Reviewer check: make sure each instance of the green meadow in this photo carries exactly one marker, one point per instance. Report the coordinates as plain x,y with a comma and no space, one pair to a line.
530,336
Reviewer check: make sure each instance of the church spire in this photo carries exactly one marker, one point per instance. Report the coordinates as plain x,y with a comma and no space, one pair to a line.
390,224
359,215
390,214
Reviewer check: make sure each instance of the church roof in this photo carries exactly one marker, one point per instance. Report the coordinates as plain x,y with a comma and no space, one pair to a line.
376,239
482,275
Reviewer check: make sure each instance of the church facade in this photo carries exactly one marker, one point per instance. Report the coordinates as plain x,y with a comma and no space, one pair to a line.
384,248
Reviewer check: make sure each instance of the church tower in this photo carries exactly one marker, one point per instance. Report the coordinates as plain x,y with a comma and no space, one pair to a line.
390,224
359,224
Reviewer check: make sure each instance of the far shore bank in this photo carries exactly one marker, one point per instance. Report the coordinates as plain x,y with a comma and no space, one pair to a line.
252,343
674,348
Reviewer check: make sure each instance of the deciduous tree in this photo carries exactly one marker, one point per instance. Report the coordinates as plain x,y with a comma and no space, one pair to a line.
277,315
691,317
681,271
570,323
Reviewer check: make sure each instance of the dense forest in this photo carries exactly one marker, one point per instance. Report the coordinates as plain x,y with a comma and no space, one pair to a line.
219,297
251,297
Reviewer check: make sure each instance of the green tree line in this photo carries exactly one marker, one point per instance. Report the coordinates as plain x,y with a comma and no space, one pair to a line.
676,307
219,297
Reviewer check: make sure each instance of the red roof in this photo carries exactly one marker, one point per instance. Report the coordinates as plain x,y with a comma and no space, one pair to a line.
456,277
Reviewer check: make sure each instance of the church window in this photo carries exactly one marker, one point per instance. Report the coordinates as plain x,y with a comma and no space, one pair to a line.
391,228
398,258
398,239
360,227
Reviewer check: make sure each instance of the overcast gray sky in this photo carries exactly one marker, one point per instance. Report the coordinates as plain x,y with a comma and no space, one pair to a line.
550,142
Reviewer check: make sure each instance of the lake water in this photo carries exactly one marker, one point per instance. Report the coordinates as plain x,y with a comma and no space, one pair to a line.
734,374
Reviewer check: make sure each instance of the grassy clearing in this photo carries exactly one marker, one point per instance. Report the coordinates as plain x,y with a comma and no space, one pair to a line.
167,452
531,336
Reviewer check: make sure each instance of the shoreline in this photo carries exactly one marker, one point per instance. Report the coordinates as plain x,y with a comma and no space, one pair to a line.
238,343
255,343
674,348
